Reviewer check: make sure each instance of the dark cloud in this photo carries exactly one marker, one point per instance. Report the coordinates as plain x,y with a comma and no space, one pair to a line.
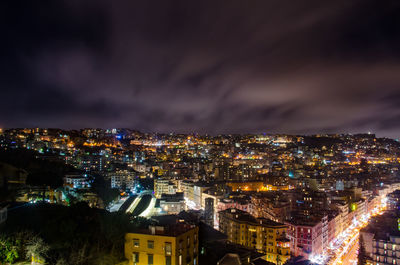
207,66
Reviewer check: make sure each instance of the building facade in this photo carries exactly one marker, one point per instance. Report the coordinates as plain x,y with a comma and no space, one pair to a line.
381,239
263,235
163,245
172,203
164,186
306,237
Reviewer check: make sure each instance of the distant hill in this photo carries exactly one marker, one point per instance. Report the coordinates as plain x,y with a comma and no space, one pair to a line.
37,171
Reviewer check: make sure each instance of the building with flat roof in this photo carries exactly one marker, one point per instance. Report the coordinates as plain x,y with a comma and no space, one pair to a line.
172,244
172,203
263,235
164,186
76,181
382,239
307,235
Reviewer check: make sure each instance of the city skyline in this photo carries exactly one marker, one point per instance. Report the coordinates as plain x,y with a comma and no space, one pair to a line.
177,132
171,66
288,199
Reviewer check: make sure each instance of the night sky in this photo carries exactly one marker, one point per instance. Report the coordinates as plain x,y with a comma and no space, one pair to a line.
281,66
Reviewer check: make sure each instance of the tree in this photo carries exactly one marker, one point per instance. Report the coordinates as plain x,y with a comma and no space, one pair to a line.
37,249
362,257
103,189
8,250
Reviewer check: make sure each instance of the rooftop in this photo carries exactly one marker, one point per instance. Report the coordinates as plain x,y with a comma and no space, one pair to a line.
383,226
243,216
172,230
305,220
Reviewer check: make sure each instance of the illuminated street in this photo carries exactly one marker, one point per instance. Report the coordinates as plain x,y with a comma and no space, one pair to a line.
116,206
143,205
351,257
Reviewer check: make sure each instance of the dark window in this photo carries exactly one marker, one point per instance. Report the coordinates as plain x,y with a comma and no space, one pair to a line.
150,259
150,244
167,260
180,244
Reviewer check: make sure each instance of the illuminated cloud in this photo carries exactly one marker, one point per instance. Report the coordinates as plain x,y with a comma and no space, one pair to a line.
206,66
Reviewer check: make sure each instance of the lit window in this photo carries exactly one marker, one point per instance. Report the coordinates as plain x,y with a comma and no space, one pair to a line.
136,243
168,249
135,257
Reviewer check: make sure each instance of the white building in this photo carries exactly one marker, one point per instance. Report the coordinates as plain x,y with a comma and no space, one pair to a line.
198,190
121,178
164,186
76,181
172,203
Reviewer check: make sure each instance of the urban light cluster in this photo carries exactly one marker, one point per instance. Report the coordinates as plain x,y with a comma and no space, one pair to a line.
286,197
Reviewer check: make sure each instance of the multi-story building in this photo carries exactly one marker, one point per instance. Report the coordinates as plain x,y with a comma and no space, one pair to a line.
123,179
263,235
76,181
372,203
172,203
246,185
393,200
342,222
198,190
306,236
359,207
212,195
174,244
91,162
187,187
334,225
139,167
164,186
270,208
209,212
238,203
381,239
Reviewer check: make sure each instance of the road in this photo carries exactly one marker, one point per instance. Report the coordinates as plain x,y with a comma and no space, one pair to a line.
142,204
124,207
351,257
116,206
344,248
